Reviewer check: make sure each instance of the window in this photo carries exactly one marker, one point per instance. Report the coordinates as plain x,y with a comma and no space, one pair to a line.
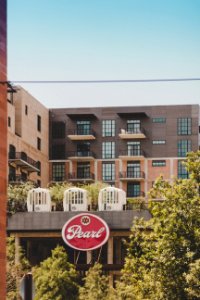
158,163
108,150
38,143
58,172
159,120
108,171
83,170
133,126
184,126
58,130
39,123
134,148
12,151
9,121
133,189
39,167
83,127
133,169
159,142
26,110
83,149
182,172
108,128
58,151
184,146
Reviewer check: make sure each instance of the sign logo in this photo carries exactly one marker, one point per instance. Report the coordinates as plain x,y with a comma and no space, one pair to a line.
85,232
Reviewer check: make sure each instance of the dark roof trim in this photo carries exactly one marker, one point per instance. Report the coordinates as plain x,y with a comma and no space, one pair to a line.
81,116
132,114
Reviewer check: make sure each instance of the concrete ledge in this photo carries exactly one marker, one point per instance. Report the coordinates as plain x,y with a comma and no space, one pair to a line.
34,221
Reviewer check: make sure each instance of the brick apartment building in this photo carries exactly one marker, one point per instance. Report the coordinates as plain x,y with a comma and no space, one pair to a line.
28,138
126,147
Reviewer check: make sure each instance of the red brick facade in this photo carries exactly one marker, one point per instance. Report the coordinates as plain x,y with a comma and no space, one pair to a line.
3,148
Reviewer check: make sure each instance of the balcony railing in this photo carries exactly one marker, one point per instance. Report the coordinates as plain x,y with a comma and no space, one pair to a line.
80,177
24,161
81,134
132,133
132,175
132,152
81,154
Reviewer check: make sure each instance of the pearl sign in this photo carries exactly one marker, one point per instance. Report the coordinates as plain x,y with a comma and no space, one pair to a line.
85,232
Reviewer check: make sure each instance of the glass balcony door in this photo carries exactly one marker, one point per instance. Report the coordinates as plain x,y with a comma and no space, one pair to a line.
83,127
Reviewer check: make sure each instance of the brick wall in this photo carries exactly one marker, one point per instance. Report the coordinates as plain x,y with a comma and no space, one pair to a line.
3,147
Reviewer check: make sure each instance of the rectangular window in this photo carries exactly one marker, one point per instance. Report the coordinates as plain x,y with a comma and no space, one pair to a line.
26,110
58,151
133,169
58,130
159,120
9,121
133,126
39,123
83,170
39,168
184,126
83,149
158,163
108,128
38,143
134,148
133,189
108,171
58,172
184,146
108,150
159,142
182,172
83,127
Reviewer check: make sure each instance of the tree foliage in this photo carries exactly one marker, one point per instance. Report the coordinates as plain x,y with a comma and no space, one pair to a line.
17,196
15,271
57,193
96,285
163,253
93,191
56,278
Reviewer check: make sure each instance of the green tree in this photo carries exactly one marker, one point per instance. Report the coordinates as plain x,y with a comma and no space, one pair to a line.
93,192
15,271
17,196
57,193
193,280
162,251
96,285
56,278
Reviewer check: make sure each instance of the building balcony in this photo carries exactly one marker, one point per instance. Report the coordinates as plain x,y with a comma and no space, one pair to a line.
132,176
132,154
21,160
75,177
81,155
132,134
81,135
17,179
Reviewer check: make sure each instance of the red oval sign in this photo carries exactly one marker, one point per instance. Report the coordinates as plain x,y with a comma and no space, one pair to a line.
85,232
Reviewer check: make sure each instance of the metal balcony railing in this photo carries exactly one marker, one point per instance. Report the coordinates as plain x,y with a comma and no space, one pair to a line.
132,152
80,154
132,174
21,156
80,176
81,132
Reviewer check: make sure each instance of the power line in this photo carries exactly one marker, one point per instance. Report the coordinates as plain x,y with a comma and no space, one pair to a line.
99,81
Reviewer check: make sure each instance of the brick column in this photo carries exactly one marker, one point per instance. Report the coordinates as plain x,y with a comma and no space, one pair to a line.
3,147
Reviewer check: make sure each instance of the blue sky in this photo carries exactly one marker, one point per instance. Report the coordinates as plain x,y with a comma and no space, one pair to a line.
105,39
